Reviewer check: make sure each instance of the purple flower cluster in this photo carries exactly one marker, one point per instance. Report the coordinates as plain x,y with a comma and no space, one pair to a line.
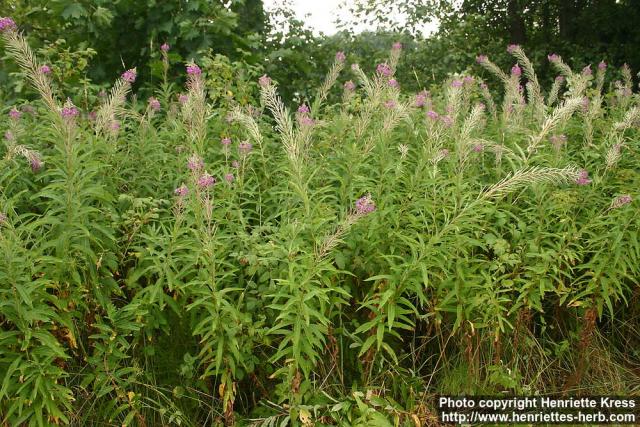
183,98
305,120
7,24
264,81
229,178
393,83
553,57
481,59
69,112
206,181
396,46
390,104
583,179
349,86
433,115
195,163
558,141
129,75
456,83
477,148
154,104
45,69
340,57
421,99
15,114
365,205
560,79
193,70
165,47
468,80
602,66
512,48
303,109
586,71
621,201
245,147
181,191
226,142
516,70
384,70
35,163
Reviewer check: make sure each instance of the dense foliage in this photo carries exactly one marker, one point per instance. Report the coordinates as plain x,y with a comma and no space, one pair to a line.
204,258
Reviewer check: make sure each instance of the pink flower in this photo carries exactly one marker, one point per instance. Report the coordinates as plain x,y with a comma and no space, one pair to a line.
355,67
447,121
181,191
206,180
92,115
7,24
45,69
421,100
584,178
349,86
365,205
560,79
456,83
9,136
115,126
226,142
340,57
195,163
484,86
390,104
558,141
586,71
384,70
235,164
193,70
554,57
478,148
303,109
396,46
585,104
433,115
468,80
154,104
165,47
516,70
69,112
35,163
15,114
602,66
621,201
264,81
481,59
306,120
393,83
129,75
229,178
245,147
182,98
443,153
512,48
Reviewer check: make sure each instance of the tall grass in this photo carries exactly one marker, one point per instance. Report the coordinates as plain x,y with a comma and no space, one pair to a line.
171,262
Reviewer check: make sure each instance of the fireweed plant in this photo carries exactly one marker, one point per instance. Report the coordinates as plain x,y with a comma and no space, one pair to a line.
169,262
